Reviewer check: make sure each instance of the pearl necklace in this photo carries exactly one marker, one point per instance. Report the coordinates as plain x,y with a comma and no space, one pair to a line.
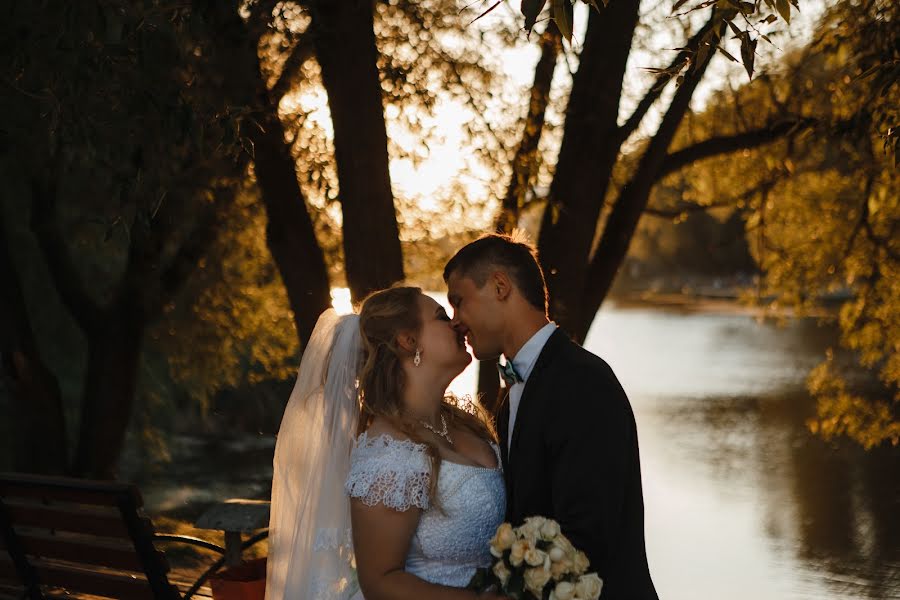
444,431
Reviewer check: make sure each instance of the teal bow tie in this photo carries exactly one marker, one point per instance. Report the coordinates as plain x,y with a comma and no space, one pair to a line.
509,374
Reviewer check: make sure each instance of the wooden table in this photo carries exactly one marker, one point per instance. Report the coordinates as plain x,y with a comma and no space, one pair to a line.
235,517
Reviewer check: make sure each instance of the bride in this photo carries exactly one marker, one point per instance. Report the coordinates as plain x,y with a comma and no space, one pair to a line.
370,437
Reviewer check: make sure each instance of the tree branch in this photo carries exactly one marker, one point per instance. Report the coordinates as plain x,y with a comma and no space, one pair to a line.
620,226
524,161
44,223
725,144
877,240
673,213
195,246
863,217
147,284
659,85
302,51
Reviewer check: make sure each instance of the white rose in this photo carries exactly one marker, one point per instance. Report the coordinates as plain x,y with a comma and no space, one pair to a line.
589,586
557,554
563,543
559,569
549,530
535,522
535,580
502,540
502,572
580,563
564,591
535,557
529,531
517,552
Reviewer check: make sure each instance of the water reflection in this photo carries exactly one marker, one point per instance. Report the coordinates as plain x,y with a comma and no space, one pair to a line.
742,502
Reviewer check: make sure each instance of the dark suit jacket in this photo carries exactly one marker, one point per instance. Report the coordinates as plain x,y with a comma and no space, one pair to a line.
574,458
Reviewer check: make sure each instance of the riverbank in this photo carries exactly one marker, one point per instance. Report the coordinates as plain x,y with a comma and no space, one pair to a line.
726,301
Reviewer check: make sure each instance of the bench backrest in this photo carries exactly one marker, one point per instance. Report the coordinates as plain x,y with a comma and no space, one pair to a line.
89,537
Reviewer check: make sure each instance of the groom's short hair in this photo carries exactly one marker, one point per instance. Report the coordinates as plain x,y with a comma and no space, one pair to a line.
513,254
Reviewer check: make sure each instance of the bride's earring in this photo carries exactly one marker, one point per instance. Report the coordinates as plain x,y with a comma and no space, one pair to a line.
418,359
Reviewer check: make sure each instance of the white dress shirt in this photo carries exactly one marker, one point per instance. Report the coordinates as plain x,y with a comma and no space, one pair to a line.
523,362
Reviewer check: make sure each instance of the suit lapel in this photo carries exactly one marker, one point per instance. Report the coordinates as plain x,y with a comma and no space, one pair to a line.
502,420
550,349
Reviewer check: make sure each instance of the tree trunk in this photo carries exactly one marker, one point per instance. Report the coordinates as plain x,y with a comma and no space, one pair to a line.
290,234
525,163
115,335
587,155
115,331
108,397
626,213
39,431
344,39
289,228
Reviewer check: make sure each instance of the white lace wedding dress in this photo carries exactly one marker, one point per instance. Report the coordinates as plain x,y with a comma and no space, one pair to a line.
448,546
319,465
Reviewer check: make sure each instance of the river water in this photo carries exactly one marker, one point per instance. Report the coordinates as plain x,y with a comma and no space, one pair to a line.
741,502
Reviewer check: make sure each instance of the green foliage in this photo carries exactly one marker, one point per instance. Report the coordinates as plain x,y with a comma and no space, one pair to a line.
822,207
745,19
115,79
864,34
111,102
841,412
234,312
118,143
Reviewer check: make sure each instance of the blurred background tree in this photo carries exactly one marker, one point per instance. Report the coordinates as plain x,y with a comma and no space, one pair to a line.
121,155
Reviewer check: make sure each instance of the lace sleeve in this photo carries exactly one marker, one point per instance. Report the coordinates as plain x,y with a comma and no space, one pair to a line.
395,473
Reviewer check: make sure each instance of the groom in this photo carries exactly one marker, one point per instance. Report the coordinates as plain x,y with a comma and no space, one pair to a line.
567,433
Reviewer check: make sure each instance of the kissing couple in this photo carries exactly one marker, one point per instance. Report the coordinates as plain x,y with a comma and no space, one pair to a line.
387,487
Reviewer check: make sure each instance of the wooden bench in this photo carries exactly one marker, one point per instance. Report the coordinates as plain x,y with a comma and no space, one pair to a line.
63,537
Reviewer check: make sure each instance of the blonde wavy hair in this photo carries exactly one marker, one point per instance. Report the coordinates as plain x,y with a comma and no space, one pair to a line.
383,317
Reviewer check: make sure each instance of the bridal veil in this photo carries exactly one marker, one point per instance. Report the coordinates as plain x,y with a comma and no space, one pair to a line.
310,549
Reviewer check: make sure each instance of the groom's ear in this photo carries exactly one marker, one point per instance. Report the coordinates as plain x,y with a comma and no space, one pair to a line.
502,285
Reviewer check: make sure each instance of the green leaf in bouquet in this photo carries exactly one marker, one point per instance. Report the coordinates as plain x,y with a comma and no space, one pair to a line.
481,580
515,587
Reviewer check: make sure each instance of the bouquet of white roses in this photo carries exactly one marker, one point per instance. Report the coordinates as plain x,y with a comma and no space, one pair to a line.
537,561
